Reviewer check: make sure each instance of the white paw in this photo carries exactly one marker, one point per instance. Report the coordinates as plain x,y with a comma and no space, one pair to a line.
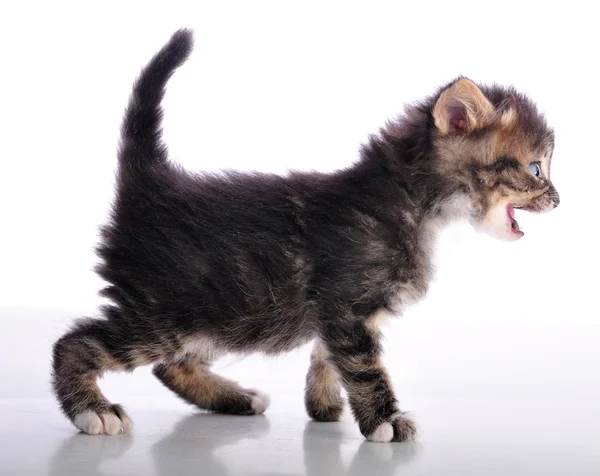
89,422
105,423
382,434
260,402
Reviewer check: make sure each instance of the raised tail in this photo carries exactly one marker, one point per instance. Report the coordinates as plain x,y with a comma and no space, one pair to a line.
141,133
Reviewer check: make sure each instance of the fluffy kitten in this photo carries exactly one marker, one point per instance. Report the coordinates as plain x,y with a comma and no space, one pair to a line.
198,266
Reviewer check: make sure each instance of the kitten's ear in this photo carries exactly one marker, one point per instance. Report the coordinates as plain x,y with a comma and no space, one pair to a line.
461,109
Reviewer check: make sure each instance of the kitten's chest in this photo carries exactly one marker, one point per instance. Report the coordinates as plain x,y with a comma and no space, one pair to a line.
415,272
407,292
415,277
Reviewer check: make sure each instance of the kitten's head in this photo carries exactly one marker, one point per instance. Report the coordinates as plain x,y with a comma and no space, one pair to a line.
495,144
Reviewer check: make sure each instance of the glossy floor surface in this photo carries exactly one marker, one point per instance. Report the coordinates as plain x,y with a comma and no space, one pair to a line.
463,430
457,438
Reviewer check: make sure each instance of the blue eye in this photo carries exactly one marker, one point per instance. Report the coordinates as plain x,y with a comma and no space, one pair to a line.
534,167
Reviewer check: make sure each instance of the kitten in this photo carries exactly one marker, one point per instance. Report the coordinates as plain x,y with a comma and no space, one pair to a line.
198,266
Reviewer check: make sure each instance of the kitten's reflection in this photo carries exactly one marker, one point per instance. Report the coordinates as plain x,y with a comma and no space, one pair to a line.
189,448
322,453
83,454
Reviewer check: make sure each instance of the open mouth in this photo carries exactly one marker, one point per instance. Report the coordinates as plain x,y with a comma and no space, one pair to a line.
514,225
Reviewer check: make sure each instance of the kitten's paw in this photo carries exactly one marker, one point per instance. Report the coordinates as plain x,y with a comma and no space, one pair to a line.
325,413
404,428
107,422
260,402
382,434
324,402
400,429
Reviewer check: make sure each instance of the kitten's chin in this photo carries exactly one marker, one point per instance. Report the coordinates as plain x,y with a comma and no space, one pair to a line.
500,223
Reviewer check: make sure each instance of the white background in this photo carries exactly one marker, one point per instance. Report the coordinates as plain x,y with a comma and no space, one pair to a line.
273,86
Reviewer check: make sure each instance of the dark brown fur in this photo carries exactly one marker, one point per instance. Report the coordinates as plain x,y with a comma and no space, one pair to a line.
201,265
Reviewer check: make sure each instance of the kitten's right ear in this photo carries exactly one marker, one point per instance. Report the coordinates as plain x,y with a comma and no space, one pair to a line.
461,109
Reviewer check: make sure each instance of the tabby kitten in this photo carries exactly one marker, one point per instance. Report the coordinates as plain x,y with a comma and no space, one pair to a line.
198,266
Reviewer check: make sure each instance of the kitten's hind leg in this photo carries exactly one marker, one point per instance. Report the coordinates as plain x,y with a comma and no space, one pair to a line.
192,380
79,358
322,398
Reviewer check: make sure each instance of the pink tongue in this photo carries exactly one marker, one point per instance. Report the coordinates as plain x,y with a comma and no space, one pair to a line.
511,212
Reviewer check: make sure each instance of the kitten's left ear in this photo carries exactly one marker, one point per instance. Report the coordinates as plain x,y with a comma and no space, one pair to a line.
461,109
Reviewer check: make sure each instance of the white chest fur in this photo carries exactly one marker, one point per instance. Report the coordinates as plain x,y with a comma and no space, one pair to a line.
457,207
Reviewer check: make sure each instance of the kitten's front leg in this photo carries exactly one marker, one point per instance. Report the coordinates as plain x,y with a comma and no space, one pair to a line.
356,353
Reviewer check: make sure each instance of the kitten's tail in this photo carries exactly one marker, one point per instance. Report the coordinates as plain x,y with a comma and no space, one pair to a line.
141,133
